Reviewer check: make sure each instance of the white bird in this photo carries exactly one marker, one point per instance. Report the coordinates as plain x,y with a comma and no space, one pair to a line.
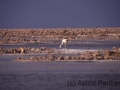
64,41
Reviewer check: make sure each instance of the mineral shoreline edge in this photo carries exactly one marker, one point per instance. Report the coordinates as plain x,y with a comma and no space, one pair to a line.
37,43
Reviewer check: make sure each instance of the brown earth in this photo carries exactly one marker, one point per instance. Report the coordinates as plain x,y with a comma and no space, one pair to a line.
113,54
14,36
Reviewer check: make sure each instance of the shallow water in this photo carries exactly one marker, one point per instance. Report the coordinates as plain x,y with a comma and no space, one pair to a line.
76,44
57,75
12,67
57,81
72,48
8,65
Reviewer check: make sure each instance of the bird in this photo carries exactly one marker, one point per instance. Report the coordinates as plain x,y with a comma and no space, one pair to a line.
64,41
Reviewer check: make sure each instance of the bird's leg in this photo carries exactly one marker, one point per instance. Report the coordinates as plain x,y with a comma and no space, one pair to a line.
65,45
61,45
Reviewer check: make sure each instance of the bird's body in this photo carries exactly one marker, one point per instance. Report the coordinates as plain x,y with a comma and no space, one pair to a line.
64,41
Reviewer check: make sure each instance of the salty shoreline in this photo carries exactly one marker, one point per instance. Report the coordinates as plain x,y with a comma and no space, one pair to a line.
17,36
87,50
49,54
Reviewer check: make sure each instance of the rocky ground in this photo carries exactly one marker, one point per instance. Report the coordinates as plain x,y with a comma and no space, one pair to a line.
17,36
25,50
56,54
97,55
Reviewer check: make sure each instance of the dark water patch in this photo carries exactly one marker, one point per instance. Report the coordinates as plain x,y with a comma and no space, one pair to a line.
57,81
12,67
86,44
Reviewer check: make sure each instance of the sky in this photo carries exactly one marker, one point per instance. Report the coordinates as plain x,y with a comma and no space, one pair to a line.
59,13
